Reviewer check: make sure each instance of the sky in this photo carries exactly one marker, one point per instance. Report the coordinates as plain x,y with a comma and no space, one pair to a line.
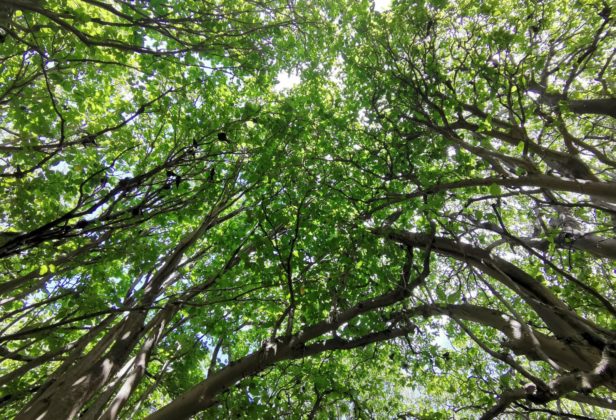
382,5
289,80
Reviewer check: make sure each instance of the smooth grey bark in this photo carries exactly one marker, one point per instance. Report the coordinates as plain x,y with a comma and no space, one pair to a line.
595,245
203,395
569,238
561,320
603,106
139,366
603,373
598,190
65,397
518,339
593,106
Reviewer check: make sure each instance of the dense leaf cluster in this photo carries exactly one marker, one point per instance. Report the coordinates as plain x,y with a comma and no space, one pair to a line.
422,227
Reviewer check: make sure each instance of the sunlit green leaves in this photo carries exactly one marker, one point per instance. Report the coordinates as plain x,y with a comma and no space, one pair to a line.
125,127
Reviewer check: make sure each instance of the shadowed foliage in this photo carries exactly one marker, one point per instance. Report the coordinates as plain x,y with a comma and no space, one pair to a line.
421,227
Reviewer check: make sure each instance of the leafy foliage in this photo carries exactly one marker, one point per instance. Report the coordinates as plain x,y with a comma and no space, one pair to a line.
422,227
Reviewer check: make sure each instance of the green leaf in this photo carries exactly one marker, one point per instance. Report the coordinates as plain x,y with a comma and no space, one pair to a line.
440,293
495,189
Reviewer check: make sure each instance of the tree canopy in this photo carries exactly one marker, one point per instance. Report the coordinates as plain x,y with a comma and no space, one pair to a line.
423,226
